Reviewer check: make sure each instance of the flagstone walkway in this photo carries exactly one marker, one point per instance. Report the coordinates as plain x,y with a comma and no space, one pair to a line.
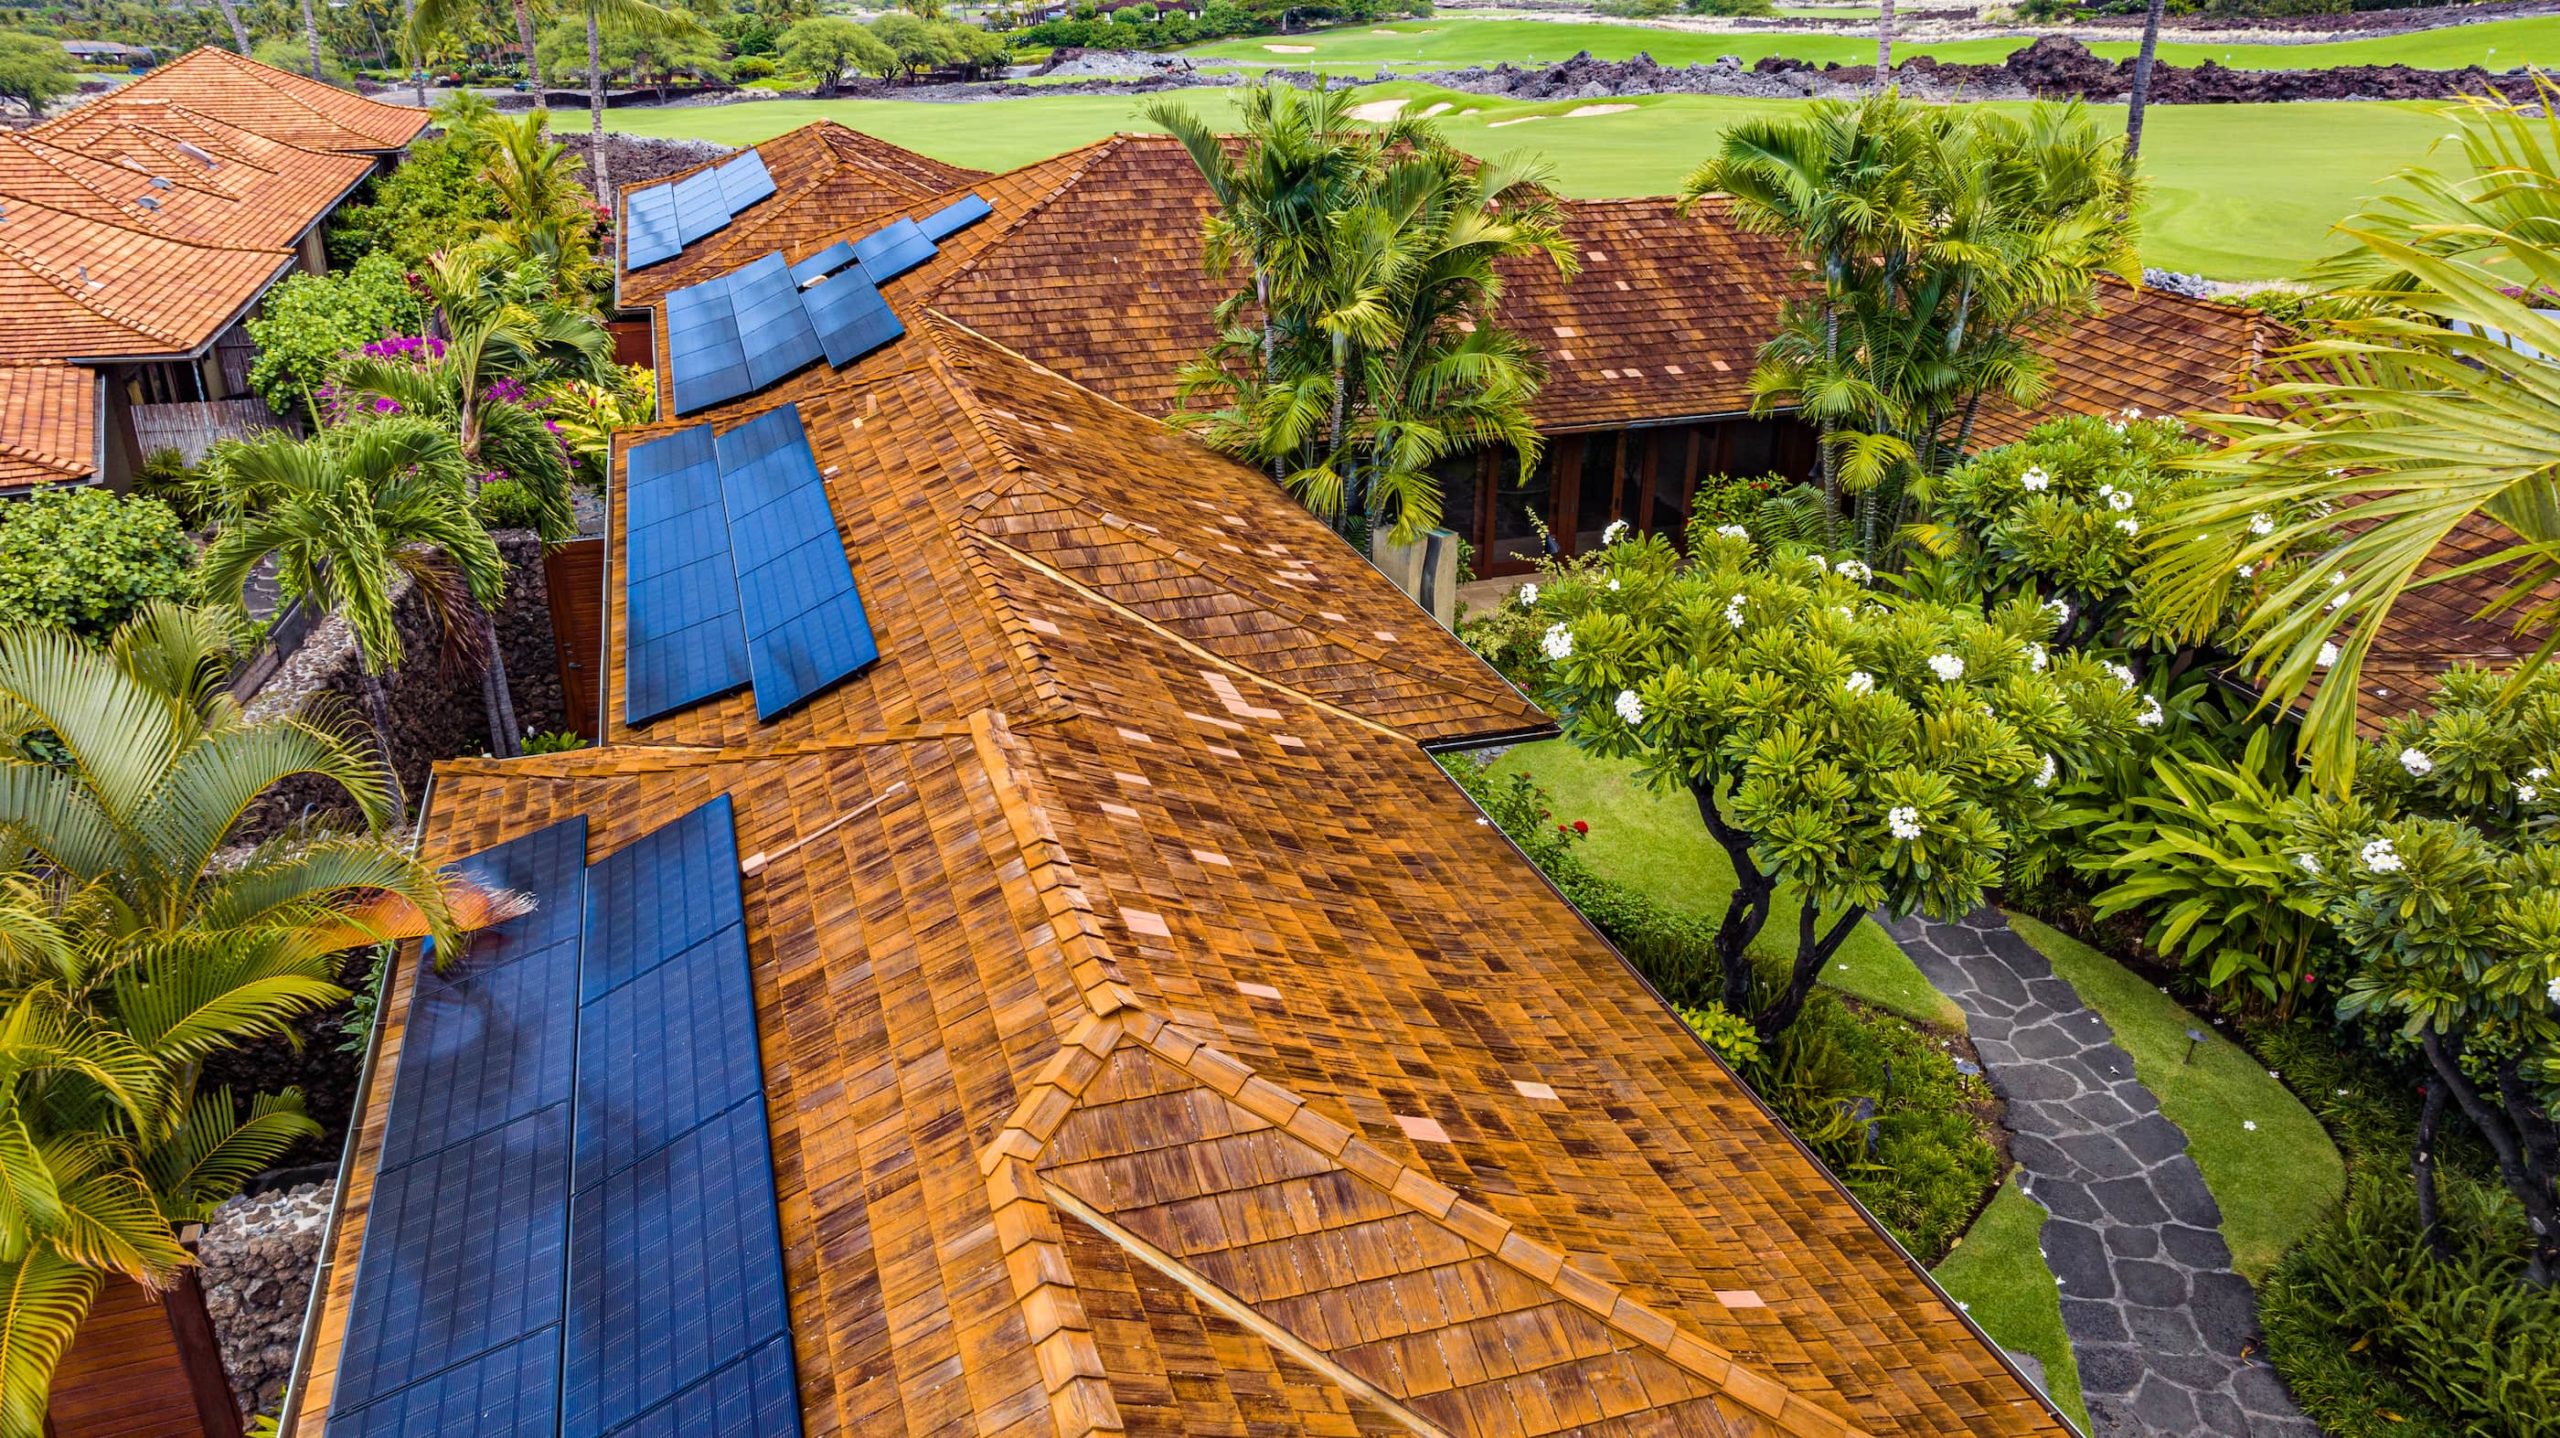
2157,1319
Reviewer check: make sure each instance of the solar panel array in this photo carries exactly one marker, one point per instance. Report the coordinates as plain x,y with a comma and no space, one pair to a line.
660,221
892,250
736,334
952,218
573,1232
804,621
735,571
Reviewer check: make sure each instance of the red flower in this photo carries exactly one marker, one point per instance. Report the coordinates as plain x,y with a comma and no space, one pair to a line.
1561,829
2311,978
1580,827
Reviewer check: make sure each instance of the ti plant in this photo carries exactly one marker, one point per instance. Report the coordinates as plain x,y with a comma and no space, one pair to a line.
2440,874
1873,751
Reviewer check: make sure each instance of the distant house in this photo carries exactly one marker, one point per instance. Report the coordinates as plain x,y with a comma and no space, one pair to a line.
107,52
138,231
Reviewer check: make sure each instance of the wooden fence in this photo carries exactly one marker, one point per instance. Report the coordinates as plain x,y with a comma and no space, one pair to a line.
192,426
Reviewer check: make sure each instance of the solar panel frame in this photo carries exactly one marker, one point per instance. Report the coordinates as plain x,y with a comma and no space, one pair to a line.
952,218
850,317
664,1053
649,227
682,640
507,1392
892,250
701,208
818,266
806,628
773,328
754,1397
705,353
660,895
744,180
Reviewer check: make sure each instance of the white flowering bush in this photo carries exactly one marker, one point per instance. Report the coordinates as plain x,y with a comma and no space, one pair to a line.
1873,750
2440,874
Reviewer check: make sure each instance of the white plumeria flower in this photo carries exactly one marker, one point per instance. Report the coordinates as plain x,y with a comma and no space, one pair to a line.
1859,682
1528,596
2044,776
1947,667
2526,793
2553,992
1558,643
2250,1124
1733,531
1616,531
2120,501
2038,658
2247,571
2123,674
2151,716
2339,600
2328,655
1844,611
2035,481
2262,525
2061,610
1854,572
1820,564
2537,773
2106,491
2380,857
1733,610
2129,526
1630,708
1613,586
2133,411
2417,763
2309,864
1904,821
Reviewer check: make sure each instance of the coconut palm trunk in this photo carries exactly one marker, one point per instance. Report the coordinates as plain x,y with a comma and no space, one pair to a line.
524,37
1884,42
377,710
311,37
239,32
2141,98
506,736
595,111
417,62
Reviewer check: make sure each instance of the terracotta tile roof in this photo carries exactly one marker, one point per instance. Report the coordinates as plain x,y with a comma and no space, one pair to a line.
1156,1041
80,288
48,423
249,194
278,104
825,176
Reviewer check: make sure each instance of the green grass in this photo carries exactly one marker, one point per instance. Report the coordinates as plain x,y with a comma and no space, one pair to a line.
1998,1272
1657,844
2239,191
1440,43
2273,1181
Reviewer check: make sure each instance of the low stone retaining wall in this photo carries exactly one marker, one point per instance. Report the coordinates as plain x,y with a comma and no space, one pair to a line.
259,1254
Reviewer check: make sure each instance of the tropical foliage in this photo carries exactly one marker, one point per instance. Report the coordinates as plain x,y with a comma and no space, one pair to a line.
84,559
132,948
310,320
1948,240
1363,349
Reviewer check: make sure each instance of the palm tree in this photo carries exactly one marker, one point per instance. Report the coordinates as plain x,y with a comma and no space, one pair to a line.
311,37
239,32
2140,100
548,216
429,19
1884,43
641,19
347,515
412,53
133,947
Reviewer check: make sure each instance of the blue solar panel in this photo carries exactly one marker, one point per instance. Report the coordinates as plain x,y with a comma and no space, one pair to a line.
664,1053
892,250
751,1398
682,642
676,1273
771,324
660,895
485,1051
822,264
464,1252
952,218
649,227
804,619
510,1392
704,352
701,208
744,180
851,318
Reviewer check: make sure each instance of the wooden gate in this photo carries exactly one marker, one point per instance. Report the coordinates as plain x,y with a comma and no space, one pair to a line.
573,576
143,1366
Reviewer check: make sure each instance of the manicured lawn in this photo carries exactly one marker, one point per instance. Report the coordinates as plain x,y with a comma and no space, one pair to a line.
2269,1163
1658,844
2238,191
1448,43
1998,1272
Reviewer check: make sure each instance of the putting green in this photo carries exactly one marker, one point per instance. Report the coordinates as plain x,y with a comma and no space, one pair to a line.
2239,192
1439,43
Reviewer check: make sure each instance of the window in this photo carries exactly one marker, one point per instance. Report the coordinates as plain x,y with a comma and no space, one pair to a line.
1519,508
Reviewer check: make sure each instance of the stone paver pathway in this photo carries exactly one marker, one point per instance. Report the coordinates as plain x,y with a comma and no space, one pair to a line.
2156,1317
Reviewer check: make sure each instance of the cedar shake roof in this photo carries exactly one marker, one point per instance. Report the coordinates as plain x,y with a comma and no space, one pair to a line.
2150,350
51,430
278,104
824,176
79,288
1156,1041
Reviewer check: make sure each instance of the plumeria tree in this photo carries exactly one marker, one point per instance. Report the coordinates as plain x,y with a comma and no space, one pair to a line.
1871,750
2441,874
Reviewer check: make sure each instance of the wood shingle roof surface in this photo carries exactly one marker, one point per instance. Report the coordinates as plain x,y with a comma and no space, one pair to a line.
1156,1041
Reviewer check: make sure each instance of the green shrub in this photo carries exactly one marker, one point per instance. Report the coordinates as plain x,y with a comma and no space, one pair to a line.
553,741
507,504
434,198
83,559
309,320
167,477
1729,9
2455,1337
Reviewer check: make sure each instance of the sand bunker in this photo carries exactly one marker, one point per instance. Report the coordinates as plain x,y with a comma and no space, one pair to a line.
1437,108
1379,111
1578,111
1525,119
1290,49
